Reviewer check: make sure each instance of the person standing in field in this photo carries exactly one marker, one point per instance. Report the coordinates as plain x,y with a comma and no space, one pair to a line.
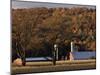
55,53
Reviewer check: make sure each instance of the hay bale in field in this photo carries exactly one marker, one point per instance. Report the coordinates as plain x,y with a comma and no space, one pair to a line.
17,62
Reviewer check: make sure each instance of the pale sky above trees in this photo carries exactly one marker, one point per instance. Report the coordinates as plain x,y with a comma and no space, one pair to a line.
27,4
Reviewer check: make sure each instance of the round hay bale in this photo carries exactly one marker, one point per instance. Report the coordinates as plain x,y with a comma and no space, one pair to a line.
18,62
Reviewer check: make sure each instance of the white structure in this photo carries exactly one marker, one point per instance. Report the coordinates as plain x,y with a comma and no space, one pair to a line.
72,49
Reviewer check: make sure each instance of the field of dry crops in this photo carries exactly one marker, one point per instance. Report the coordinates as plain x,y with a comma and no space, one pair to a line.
35,67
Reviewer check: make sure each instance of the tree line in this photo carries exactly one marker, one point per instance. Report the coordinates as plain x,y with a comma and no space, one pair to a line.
37,29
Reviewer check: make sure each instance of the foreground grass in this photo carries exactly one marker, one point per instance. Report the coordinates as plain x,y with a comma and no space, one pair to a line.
35,67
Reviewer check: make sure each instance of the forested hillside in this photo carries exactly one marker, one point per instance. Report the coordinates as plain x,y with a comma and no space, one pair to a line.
37,29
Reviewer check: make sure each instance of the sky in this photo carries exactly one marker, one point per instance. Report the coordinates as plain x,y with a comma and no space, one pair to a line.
31,4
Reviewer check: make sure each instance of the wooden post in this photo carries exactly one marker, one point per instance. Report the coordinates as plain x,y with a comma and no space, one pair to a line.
55,54
56,50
